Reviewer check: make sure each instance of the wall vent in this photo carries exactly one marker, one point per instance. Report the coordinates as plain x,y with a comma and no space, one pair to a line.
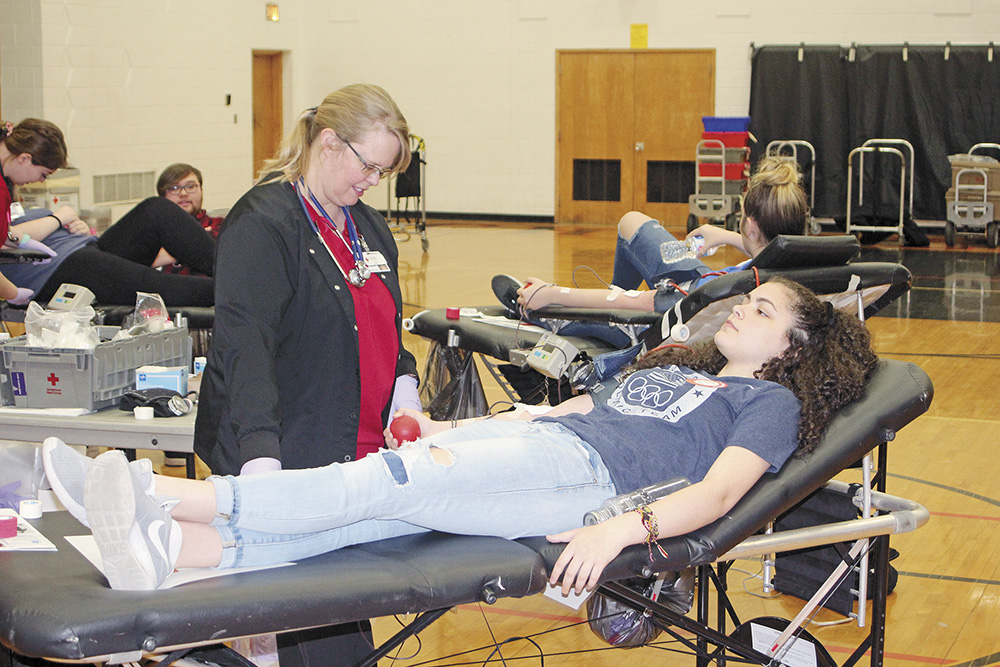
131,187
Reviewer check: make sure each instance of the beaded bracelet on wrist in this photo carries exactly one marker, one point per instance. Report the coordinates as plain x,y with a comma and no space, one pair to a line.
653,530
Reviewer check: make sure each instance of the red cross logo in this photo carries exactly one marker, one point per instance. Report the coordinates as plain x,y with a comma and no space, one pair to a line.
53,379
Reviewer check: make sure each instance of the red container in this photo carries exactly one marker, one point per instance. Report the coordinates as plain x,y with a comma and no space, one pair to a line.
728,139
8,526
734,171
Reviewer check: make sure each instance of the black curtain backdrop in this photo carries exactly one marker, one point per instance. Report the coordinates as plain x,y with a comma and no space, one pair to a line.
940,106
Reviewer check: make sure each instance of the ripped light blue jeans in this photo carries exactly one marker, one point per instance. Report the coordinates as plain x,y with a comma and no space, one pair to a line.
637,260
504,478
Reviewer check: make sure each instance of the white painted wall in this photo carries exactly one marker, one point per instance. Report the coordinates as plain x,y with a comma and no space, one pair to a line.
137,84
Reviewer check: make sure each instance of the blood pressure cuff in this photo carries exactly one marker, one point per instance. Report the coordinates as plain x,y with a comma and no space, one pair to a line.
165,402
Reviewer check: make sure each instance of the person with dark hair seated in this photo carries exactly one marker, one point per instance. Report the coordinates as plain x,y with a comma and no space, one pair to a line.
775,204
183,184
720,415
119,263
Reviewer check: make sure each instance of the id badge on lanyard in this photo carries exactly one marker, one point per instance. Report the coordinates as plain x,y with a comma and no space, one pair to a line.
375,261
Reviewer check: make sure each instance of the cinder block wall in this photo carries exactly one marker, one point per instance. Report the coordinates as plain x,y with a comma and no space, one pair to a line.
140,84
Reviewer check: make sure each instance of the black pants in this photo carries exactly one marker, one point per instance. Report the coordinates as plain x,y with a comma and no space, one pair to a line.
120,263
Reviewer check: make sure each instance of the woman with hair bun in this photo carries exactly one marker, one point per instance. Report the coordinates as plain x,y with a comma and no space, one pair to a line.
774,204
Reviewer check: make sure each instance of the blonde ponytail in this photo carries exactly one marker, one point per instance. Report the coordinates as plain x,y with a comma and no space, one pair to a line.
350,112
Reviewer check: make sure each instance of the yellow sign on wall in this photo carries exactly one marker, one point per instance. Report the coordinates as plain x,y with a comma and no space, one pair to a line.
639,36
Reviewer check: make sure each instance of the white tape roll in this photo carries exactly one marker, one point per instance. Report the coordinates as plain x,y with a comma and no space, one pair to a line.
408,324
30,509
143,412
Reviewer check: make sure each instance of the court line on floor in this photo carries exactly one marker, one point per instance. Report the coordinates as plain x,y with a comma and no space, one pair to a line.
946,487
976,517
980,662
991,357
948,577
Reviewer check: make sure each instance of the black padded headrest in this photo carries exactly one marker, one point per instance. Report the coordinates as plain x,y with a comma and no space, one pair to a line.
794,252
827,280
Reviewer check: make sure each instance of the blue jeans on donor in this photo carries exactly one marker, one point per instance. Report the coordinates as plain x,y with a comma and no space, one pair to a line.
505,478
638,260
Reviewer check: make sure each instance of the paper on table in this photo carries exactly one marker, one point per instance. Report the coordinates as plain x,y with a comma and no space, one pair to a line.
86,545
27,539
48,412
574,600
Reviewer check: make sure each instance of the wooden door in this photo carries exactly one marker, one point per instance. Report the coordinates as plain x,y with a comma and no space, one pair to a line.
267,101
627,123
594,134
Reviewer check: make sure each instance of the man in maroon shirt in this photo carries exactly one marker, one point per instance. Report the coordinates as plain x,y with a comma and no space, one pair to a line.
182,184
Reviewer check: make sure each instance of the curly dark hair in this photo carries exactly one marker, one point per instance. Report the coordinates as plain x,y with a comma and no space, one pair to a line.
828,360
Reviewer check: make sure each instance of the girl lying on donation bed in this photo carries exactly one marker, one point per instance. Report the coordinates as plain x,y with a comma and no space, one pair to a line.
720,415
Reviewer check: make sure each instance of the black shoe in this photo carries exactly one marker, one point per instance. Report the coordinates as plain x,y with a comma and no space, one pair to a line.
505,288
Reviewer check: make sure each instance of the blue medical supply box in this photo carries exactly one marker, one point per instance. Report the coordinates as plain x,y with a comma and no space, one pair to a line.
162,377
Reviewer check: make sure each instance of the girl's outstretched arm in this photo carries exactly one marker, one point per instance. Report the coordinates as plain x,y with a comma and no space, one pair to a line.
591,548
538,294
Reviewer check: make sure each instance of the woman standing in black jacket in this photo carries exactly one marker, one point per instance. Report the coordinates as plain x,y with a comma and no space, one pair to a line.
306,362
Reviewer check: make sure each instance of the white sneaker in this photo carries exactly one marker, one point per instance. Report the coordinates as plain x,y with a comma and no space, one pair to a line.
66,469
138,539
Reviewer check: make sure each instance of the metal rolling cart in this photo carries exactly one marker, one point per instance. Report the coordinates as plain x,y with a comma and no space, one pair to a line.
973,201
789,149
721,172
884,147
410,185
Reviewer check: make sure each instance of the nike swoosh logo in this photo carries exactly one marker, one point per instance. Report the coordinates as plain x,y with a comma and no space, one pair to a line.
153,532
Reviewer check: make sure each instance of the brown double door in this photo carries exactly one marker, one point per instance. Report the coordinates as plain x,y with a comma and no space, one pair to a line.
267,104
627,124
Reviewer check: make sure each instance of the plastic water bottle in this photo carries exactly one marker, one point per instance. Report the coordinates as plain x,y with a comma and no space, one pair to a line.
675,251
627,502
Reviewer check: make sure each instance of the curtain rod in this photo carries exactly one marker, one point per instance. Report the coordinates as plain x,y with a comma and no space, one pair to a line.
852,49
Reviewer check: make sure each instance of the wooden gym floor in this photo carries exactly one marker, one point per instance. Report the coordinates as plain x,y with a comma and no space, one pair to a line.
946,606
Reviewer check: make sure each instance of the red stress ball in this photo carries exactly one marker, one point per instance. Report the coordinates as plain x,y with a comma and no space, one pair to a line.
404,429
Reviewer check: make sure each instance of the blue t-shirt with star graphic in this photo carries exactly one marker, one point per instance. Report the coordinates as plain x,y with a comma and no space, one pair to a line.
671,421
